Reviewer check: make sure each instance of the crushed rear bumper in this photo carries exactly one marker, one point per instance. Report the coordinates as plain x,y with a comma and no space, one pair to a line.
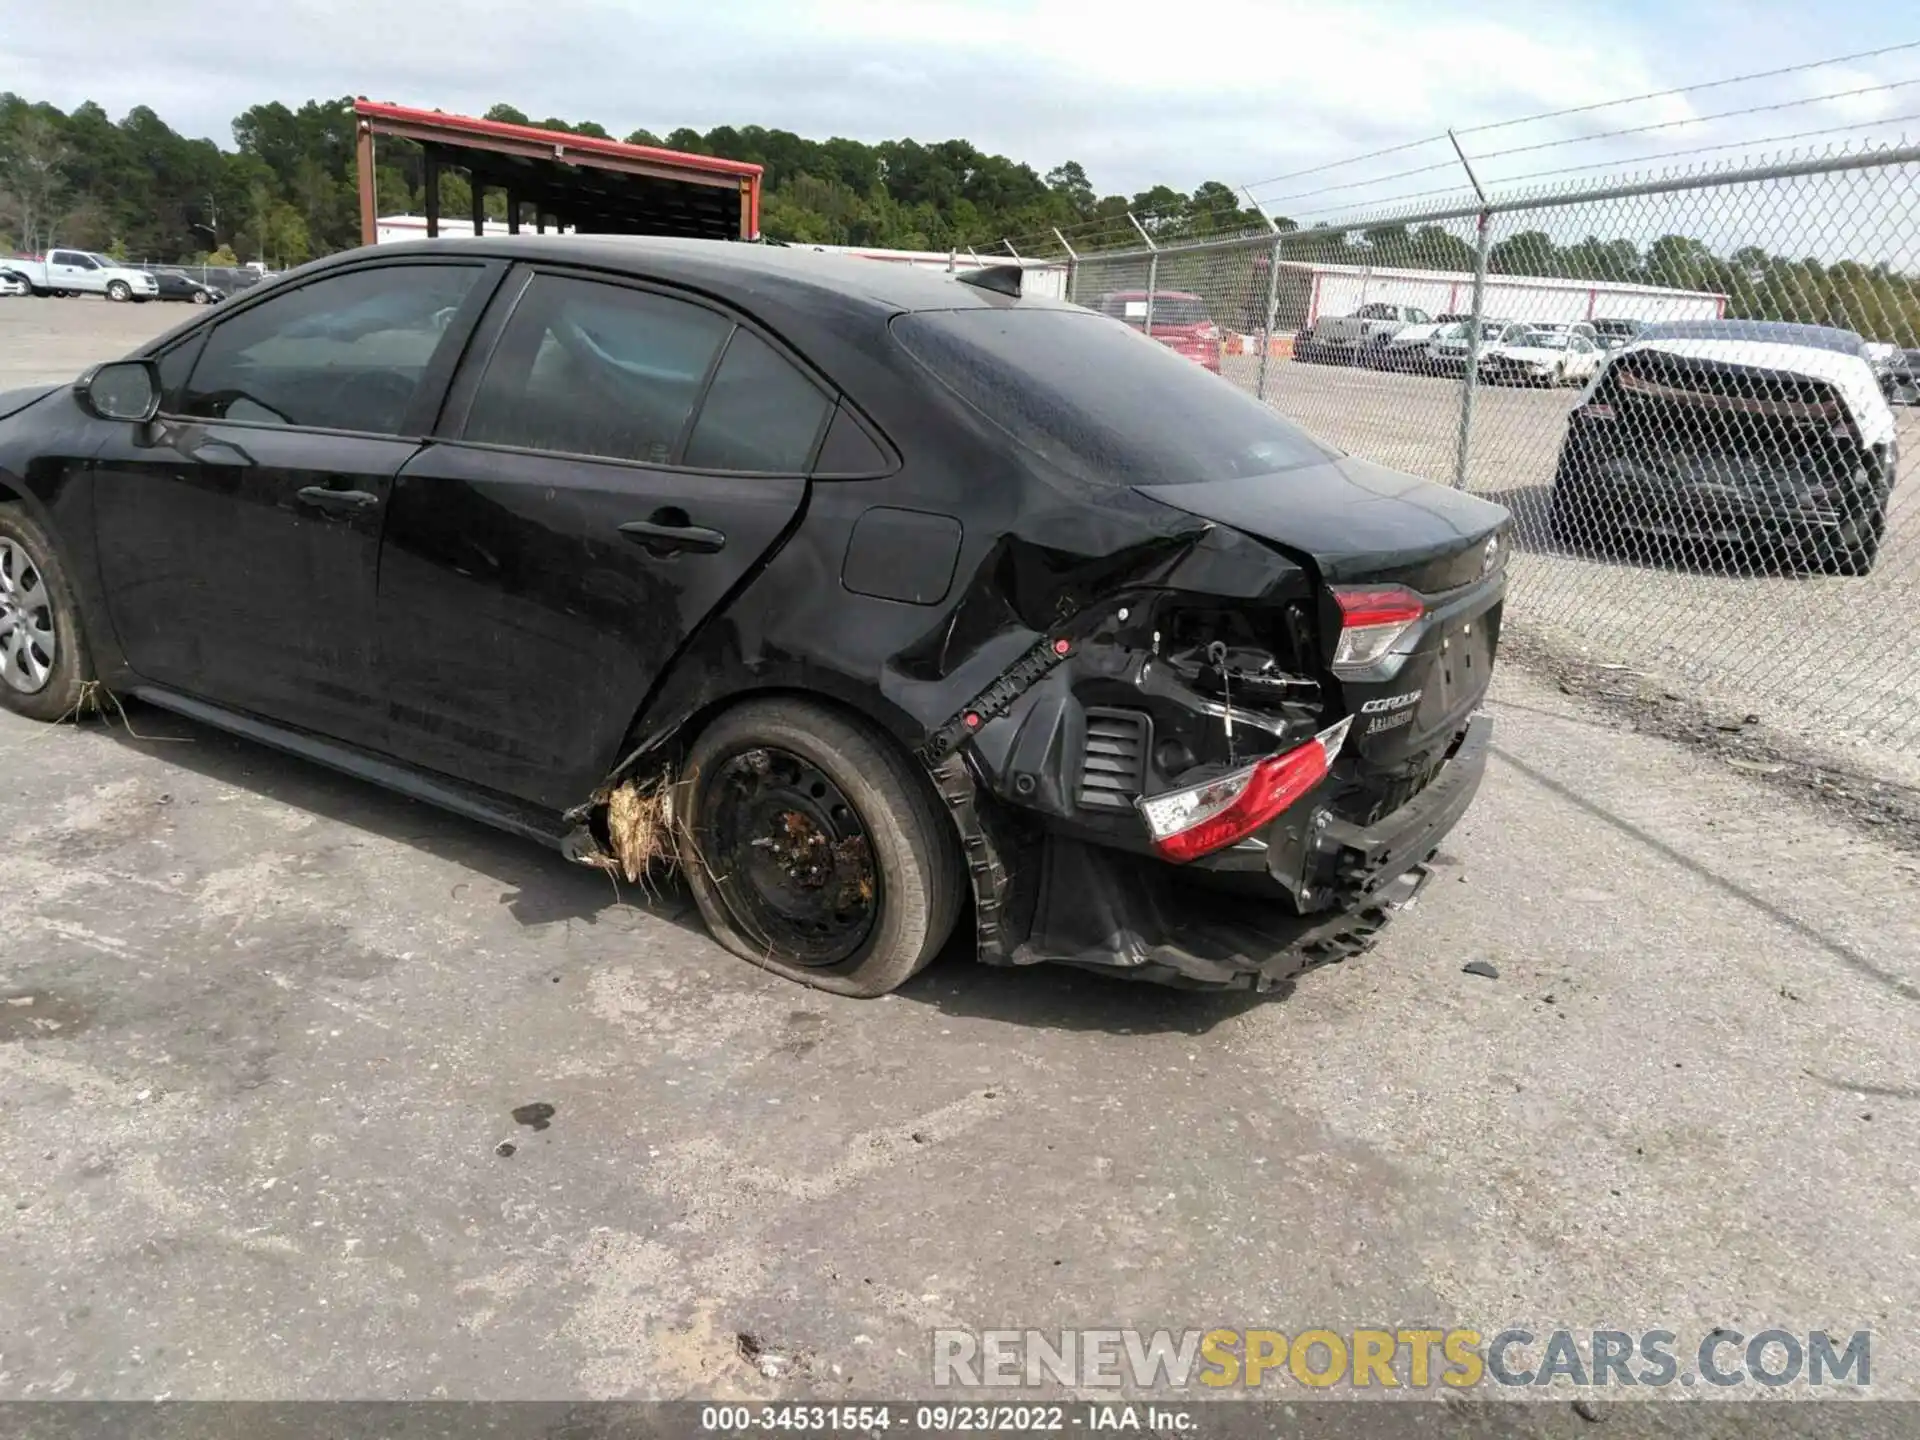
1103,908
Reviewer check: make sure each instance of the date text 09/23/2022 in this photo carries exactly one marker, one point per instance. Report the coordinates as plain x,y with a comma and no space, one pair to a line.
946,1419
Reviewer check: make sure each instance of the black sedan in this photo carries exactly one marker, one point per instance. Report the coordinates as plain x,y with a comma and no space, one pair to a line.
867,597
177,285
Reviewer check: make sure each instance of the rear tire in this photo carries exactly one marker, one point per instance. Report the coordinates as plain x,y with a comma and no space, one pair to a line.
1856,548
1570,520
36,602
913,885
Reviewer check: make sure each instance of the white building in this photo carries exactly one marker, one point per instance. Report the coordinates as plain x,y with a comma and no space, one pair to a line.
1308,291
1042,277
389,228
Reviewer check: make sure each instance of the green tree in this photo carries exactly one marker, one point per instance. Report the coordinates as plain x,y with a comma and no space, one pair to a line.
1531,252
283,237
1679,261
33,183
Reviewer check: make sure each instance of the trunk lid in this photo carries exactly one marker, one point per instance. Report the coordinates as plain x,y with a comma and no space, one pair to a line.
1355,523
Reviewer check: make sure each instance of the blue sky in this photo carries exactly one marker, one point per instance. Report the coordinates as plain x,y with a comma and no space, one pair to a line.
1140,93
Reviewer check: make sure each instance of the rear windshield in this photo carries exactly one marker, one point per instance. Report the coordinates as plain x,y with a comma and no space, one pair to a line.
1101,401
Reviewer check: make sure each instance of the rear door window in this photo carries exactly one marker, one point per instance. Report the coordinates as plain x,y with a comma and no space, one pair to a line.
1101,402
587,368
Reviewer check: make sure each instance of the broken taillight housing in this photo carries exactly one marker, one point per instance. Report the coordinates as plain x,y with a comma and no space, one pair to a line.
1372,620
1186,824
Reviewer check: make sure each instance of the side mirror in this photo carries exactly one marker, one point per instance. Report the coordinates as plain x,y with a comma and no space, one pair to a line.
120,390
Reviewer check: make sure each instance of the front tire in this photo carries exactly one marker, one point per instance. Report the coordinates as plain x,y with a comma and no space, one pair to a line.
816,849
119,291
44,667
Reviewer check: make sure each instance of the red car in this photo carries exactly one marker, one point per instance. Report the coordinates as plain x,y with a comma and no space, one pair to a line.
1180,322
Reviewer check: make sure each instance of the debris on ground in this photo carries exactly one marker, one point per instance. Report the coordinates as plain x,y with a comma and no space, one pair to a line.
771,1363
505,1148
1821,774
1482,968
536,1116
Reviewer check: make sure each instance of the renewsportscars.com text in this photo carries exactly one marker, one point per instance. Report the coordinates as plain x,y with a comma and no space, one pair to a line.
1410,1358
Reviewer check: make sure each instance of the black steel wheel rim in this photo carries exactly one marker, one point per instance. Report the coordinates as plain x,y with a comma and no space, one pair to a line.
789,856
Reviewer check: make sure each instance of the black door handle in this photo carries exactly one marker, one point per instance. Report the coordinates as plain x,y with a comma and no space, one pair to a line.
338,502
670,531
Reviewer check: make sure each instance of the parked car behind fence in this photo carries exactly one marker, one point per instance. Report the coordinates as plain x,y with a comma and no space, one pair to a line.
1180,321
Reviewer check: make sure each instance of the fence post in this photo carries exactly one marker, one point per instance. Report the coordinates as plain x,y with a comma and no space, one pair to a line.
1473,350
1073,267
1273,315
1153,270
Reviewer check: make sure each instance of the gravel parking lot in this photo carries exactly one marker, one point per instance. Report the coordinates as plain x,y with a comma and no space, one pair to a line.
265,1031
1827,658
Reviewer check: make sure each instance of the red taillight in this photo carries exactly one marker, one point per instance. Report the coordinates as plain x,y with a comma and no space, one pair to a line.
1186,824
1372,619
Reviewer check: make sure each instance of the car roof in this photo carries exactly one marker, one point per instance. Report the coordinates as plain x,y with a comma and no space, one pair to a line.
733,268
1772,332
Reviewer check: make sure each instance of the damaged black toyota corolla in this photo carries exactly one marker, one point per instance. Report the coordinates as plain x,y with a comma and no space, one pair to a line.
866,595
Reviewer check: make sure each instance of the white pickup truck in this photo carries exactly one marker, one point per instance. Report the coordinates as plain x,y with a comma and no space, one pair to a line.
80,272
1337,337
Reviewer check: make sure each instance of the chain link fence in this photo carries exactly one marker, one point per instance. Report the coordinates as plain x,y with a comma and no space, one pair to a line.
1699,395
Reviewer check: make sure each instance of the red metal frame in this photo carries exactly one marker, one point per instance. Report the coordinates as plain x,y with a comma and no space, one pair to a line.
434,126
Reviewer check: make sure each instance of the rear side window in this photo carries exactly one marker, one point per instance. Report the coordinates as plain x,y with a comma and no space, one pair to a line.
592,369
1100,401
760,414
344,353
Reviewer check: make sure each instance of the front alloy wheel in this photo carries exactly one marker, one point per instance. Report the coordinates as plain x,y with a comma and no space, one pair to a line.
119,290
29,645
44,671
